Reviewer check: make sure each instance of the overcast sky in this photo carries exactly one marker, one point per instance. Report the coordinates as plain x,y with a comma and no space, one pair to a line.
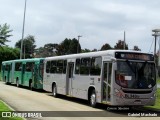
98,21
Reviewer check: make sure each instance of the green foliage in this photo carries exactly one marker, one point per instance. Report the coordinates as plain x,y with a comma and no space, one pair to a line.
4,34
158,80
47,51
85,50
106,47
157,105
28,46
136,48
73,47
120,45
8,53
3,108
68,46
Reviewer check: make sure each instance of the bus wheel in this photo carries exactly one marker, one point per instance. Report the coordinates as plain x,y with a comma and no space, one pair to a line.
54,91
92,99
17,83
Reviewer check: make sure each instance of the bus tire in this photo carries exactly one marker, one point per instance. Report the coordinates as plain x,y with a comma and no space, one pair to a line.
54,91
17,83
92,99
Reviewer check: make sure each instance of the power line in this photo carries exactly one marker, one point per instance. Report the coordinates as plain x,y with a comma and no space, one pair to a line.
151,46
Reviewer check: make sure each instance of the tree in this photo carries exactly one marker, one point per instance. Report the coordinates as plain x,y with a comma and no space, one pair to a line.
68,46
105,47
47,51
136,48
94,50
4,34
85,50
8,53
74,47
28,46
120,45
63,47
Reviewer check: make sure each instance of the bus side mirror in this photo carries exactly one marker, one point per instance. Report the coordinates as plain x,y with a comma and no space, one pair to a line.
113,60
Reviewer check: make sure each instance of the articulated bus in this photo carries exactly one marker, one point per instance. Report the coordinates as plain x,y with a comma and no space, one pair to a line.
24,72
114,77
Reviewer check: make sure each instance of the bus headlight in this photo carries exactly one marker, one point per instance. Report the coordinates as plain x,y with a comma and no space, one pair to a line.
119,93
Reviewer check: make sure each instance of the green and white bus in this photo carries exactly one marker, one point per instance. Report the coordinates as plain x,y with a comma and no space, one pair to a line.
24,72
114,77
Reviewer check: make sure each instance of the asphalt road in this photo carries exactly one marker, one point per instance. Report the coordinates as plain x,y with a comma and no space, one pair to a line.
22,99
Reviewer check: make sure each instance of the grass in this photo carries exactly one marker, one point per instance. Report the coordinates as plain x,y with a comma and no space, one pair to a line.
158,80
4,108
157,105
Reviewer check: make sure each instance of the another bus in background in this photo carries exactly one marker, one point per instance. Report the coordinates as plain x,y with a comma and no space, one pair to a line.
25,72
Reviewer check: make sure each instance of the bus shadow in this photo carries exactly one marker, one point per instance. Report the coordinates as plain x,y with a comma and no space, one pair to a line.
113,110
27,88
119,111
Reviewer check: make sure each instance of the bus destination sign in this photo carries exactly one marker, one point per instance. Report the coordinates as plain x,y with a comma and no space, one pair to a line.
134,56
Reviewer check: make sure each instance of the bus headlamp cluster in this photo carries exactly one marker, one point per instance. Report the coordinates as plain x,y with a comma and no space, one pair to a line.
119,93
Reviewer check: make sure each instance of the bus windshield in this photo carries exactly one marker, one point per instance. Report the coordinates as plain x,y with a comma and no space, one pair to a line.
135,75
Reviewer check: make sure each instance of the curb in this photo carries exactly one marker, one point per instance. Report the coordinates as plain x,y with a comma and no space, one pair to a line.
10,108
7,105
152,109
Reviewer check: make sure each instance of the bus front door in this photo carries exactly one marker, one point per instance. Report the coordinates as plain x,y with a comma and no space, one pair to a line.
70,68
106,85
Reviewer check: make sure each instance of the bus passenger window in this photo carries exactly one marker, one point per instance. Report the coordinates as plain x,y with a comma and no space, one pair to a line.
7,67
96,64
48,67
64,66
77,69
30,66
59,66
85,66
18,66
53,67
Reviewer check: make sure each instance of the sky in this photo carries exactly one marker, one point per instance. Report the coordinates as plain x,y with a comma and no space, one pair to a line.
97,21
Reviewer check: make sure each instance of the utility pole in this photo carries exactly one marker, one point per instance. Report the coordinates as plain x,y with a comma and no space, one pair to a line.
124,46
156,34
78,43
21,52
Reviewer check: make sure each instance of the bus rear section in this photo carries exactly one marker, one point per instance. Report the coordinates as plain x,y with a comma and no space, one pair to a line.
7,72
28,72
24,72
134,80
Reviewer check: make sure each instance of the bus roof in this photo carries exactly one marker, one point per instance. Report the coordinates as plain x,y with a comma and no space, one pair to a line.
92,54
23,60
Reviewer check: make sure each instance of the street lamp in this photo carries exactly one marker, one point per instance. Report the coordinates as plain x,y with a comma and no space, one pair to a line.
23,29
78,43
124,46
156,34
